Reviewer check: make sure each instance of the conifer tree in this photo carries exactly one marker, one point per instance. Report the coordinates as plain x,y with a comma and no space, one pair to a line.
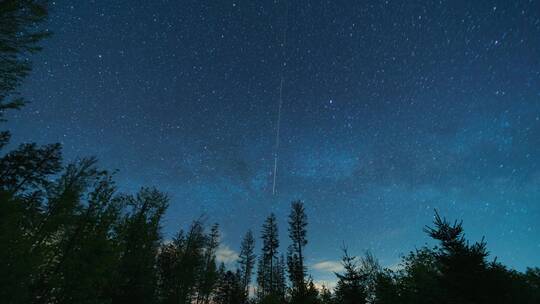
246,262
350,286
280,285
262,278
386,287
312,293
326,296
369,268
229,289
461,266
295,256
208,273
266,278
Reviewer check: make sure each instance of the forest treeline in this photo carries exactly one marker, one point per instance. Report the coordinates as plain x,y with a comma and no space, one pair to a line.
68,236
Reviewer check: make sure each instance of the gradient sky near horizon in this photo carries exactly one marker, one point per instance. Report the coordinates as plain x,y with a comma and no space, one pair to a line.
390,110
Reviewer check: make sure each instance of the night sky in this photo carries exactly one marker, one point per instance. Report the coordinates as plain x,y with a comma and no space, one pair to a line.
390,109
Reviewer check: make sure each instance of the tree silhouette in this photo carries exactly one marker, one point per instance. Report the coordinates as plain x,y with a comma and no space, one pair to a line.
266,274
280,280
462,266
85,228
295,258
140,240
326,296
246,263
180,263
19,37
208,274
350,286
229,289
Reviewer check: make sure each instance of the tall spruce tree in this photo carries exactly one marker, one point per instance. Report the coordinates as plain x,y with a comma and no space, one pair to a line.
280,285
262,279
269,257
295,256
246,263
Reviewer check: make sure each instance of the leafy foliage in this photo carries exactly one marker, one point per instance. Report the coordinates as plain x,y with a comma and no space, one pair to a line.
19,37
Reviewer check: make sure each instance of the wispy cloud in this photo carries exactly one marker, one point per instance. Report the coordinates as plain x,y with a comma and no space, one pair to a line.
328,284
226,255
328,266
395,267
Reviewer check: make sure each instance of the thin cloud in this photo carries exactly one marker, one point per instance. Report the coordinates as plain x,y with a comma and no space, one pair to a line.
226,255
328,266
330,285
395,267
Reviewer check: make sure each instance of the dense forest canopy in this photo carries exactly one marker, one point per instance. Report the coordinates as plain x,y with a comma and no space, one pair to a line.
67,235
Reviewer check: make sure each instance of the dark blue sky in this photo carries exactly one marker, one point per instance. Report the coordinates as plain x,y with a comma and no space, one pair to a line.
390,109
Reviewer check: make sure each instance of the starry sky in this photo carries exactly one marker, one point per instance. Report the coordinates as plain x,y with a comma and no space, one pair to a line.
390,109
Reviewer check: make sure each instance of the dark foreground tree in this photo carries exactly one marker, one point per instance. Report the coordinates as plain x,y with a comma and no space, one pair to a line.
246,263
140,239
208,273
312,293
24,172
295,256
229,289
350,287
78,229
326,296
462,266
453,272
180,263
266,270
19,37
